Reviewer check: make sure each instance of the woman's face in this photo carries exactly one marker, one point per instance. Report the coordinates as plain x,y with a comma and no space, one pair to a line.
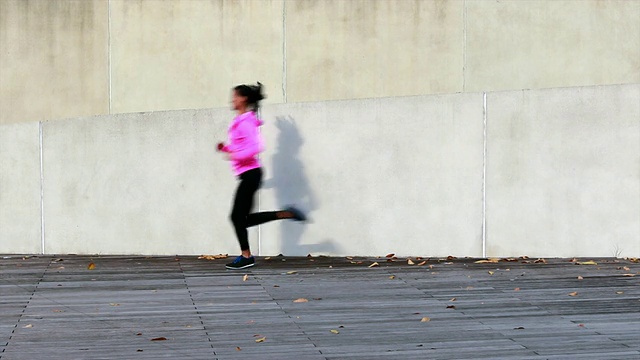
238,102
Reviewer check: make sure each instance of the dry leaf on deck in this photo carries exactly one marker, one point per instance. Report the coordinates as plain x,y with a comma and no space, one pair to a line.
392,277
162,338
291,272
300,300
245,277
422,263
629,275
540,261
486,261
580,278
587,263
333,331
262,339
453,299
516,289
451,307
238,348
27,326
619,292
374,265
425,319
114,304
91,266
573,293
410,262
390,255
491,272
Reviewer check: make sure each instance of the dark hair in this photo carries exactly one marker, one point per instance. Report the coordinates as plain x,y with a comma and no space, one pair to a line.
253,93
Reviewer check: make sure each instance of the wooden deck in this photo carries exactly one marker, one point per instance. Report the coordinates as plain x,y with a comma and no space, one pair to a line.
56,308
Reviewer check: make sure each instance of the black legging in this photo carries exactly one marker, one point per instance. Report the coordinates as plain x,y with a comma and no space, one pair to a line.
241,216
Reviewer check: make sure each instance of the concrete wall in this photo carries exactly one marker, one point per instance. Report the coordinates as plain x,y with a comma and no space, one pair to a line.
20,223
563,172
70,58
403,175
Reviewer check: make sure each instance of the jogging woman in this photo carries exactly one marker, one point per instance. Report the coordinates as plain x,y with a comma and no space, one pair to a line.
244,145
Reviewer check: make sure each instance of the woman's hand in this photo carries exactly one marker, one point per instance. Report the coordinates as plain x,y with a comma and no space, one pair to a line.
220,146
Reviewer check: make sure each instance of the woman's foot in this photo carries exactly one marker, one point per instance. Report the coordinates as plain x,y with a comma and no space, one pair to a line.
295,214
241,262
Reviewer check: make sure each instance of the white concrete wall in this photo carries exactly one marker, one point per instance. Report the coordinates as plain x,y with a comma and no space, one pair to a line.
20,188
377,176
563,172
146,183
402,175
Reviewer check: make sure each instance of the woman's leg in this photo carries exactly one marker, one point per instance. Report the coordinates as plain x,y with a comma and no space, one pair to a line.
242,204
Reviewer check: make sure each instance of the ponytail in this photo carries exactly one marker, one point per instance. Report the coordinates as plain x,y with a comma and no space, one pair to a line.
253,93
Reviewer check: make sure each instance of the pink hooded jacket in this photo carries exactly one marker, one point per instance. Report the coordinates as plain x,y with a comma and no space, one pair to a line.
245,143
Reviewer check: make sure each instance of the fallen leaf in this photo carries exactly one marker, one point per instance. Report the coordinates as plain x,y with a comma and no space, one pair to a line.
27,326
276,285
114,304
509,259
245,277
349,257
425,319
333,331
575,293
309,255
422,263
491,272
524,257
540,261
486,261
518,328
358,262
573,260
390,255
580,278
449,258
392,277
587,263
300,300
91,266
57,311
317,298
139,350
451,307
453,299
262,339
410,262
58,260
581,325
238,348
619,292
516,289
268,258
430,266
374,265
162,338
629,275
526,262
138,334
213,257
291,272
390,260
625,268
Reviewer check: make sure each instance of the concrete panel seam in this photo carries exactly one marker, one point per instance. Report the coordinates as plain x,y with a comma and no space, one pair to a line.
109,49
284,51
484,174
42,240
464,45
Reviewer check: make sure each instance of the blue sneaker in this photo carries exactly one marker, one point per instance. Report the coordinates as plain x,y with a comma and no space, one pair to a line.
241,262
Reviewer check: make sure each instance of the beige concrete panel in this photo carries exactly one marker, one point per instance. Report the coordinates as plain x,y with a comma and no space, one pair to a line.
339,49
189,54
376,176
540,44
563,172
54,61
147,183
20,189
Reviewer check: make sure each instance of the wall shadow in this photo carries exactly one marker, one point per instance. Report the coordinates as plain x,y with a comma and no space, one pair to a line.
289,181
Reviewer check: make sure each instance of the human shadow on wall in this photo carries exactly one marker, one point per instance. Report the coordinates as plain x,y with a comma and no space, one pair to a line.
291,187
